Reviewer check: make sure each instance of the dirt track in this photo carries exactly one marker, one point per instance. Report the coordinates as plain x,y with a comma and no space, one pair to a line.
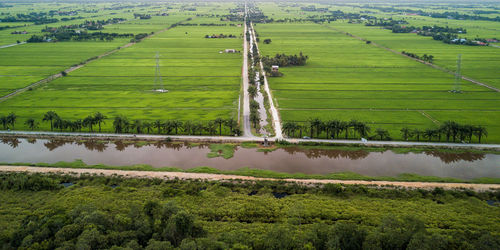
220,177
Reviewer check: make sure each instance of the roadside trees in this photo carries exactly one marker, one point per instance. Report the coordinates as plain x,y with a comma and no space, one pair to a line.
99,118
31,123
50,116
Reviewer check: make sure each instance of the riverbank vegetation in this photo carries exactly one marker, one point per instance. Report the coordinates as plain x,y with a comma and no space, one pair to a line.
111,212
260,173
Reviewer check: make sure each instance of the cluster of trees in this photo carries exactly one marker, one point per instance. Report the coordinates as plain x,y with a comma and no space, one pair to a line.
123,125
72,35
451,130
425,57
8,120
282,60
267,41
35,17
142,16
182,215
220,36
335,129
153,226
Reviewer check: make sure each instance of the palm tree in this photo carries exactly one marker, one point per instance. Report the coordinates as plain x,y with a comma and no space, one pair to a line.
31,123
429,133
344,126
211,127
147,126
252,91
4,121
11,118
99,118
315,123
138,125
120,124
50,116
231,123
188,126
287,128
363,129
480,131
417,133
176,124
405,133
254,118
353,124
220,121
89,122
382,133
158,124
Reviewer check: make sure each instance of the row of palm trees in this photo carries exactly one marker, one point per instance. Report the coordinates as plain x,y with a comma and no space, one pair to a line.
122,124
336,129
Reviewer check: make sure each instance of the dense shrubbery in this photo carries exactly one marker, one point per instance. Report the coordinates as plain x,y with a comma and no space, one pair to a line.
154,214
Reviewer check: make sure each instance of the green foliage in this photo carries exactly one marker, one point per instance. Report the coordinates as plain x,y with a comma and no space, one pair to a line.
136,214
225,151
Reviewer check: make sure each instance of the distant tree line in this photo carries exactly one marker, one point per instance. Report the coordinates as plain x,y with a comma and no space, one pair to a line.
122,124
335,129
142,16
425,57
220,36
283,60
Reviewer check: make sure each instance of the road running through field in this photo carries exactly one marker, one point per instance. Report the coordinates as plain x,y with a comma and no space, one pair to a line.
222,177
415,59
55,76
11,45
274,112
247,129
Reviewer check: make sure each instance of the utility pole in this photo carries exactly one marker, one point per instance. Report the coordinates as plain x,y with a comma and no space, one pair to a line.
158,81
458,75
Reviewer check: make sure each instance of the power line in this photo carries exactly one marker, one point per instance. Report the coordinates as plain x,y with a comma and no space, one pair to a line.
458,76
158,82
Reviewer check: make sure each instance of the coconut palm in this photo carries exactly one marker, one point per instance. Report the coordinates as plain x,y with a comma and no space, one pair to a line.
230,123
384,134
31,123
219,122
99,118
158,124
176,124
137,125
479,132
147,126
405,133
50,116
11,119
4,121
89,122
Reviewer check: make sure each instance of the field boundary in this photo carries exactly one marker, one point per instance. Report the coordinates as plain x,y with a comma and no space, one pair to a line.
73,68
223,177
415,59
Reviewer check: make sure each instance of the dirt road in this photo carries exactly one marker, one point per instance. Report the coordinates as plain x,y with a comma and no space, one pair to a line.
221,177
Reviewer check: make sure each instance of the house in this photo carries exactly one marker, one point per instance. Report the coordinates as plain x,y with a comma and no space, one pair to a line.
230,51
275,68
492,40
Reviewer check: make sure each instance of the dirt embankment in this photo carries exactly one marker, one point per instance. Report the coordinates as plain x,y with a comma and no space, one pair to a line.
221,177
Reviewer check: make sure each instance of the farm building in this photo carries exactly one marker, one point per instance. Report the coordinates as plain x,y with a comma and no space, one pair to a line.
275,68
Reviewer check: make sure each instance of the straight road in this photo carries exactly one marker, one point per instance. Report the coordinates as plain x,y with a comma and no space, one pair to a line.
11,45
274,112
221,177
247,129
247,139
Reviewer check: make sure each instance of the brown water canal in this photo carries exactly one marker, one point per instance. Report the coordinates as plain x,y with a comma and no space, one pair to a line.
289,160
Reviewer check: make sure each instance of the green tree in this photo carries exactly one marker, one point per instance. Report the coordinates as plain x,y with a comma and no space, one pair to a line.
89,122
252,91
405,133
99,118
138,125
31,123
176,124
4,121
50,116
219,122
158,124
11,118
479,132
382,133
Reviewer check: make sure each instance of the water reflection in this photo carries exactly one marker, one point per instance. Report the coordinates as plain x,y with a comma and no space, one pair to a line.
448,157
332,154
289,159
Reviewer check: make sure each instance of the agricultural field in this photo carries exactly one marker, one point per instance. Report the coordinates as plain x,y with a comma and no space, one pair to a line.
202,83
348,79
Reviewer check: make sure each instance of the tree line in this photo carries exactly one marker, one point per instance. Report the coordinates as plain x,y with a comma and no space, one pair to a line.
450,131
425,57
122,124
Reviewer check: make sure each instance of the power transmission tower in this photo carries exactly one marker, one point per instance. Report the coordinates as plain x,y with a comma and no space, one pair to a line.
158,81
458,75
